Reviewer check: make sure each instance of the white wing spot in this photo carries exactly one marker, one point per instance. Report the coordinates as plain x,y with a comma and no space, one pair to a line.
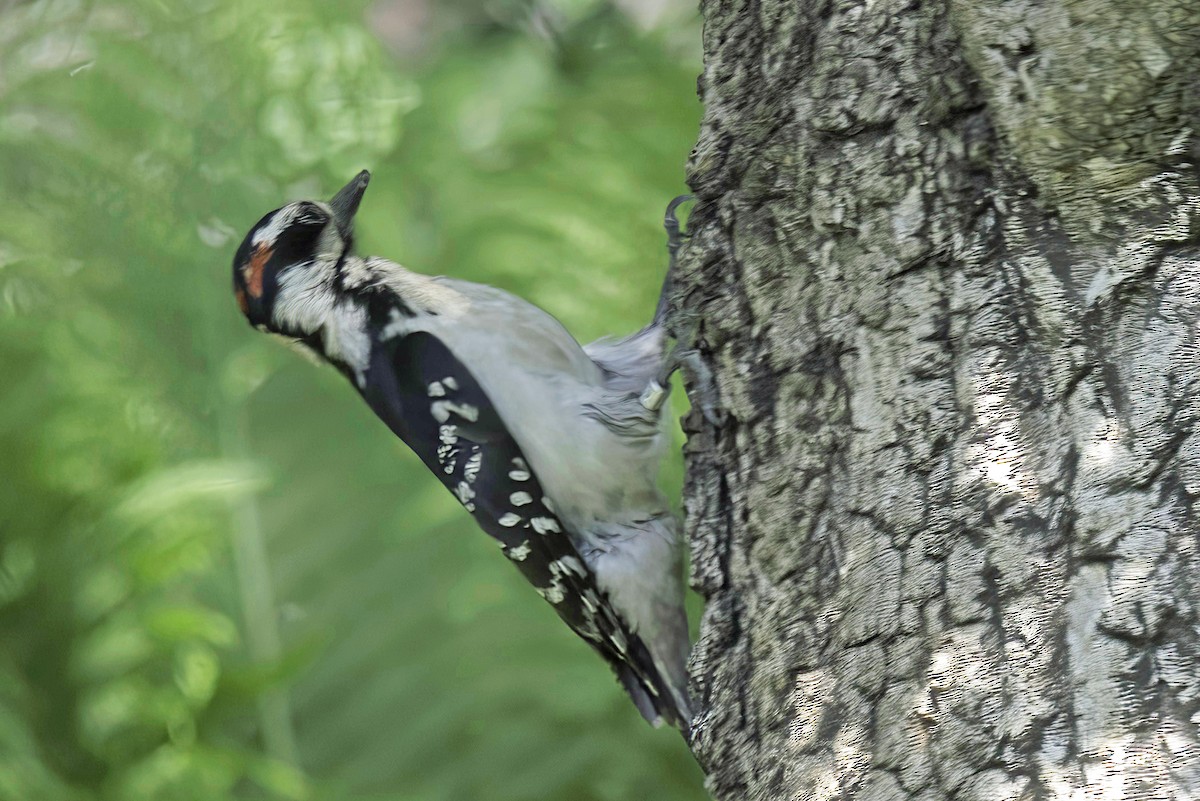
554,594
567,564
464,492
472,468
518,475
592,632
520,498
448,434
518,553
545,525
447,454
519,464
450,382
397,326
509,520
436,390
441,410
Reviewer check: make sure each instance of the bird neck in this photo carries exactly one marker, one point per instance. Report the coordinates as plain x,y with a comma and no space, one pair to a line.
312,307
412,294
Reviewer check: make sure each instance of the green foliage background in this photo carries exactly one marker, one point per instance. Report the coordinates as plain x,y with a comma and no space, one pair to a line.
220,577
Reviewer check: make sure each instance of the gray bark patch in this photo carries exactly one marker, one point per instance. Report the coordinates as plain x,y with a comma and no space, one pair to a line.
946,532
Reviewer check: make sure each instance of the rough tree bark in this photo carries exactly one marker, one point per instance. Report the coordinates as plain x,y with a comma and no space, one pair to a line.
946,266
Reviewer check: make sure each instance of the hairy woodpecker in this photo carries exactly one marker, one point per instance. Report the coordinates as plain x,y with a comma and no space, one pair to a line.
554,448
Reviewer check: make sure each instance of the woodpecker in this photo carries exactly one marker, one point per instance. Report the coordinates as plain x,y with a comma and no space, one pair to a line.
552,447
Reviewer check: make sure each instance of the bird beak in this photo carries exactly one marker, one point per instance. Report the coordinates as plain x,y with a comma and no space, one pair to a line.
345,203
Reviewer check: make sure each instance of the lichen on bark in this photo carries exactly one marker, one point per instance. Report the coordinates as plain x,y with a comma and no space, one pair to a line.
946,529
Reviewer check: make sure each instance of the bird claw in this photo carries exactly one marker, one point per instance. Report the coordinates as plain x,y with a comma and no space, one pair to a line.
675,236
702,387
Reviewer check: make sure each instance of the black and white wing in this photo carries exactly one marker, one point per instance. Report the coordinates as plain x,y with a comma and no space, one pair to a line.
431,401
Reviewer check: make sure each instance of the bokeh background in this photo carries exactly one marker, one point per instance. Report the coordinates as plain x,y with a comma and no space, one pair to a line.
220,577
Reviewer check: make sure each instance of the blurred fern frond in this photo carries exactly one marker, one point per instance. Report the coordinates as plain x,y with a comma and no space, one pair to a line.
219,576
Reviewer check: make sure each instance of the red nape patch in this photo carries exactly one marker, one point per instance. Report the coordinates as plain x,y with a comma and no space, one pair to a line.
253,271
241,300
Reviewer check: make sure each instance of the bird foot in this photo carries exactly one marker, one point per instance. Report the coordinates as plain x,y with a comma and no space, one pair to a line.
702,387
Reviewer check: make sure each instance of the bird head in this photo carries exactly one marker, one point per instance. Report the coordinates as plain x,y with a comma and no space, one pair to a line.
304,244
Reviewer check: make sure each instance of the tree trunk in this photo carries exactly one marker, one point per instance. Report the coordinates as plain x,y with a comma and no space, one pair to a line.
945,262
